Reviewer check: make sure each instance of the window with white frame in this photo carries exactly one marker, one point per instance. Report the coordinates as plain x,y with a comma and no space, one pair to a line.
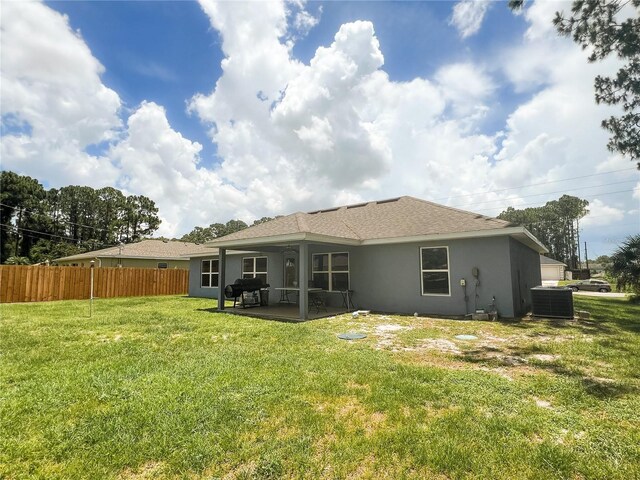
255,267
330,271
209,273
434,269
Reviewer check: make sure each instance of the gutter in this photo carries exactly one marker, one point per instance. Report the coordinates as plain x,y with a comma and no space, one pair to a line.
519,233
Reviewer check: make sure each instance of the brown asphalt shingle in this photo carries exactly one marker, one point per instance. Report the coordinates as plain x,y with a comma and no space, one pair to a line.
549,261
394,218
146,249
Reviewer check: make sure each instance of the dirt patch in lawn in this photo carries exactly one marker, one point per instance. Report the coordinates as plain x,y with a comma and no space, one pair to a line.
438,344
542,403
386,335
350,412
498,348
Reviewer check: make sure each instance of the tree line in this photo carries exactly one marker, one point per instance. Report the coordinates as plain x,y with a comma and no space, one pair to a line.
39,224
215,230
555,224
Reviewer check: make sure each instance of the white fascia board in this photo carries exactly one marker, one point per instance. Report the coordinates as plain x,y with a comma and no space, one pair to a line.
280,239
274,239
445,236
141,257
129,257
315,237
216,253
533,242
520,233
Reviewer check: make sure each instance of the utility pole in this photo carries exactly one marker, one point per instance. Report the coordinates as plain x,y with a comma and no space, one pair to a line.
578,242
18,231
586,255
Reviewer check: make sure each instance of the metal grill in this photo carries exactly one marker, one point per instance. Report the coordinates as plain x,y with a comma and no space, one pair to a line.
243,285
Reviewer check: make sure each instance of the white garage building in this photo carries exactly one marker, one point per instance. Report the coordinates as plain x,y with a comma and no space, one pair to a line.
551,269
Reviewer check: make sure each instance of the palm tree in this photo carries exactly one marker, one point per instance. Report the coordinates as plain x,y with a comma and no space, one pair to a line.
625,266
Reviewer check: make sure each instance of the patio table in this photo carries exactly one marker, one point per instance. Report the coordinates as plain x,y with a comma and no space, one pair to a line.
284,292
347,296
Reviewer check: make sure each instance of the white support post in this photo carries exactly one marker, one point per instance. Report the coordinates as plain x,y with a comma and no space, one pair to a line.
222,261
304,281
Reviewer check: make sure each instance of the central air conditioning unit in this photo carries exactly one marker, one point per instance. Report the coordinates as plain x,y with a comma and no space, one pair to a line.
552,302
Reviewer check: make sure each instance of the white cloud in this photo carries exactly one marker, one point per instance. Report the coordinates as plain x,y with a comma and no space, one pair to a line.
466,86
51,82
160,163
303,21
295,136
468,15
339,127
601,214
50,79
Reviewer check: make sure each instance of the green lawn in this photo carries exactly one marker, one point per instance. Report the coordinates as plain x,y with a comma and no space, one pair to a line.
165,387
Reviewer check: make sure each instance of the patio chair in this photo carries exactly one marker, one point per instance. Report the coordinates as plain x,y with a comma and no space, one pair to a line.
316,299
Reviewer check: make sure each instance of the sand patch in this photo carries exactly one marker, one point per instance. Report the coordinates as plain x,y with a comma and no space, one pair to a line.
542,403
439,344
387,335
543,357
390,327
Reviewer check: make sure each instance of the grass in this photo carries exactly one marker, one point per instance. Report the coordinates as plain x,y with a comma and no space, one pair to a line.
166,388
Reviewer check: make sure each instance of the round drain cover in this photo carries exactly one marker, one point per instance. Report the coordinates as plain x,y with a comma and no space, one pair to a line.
352,336
466,337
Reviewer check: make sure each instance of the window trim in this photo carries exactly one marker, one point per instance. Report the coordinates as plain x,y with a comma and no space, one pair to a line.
211,273
448,270
255,272
330,270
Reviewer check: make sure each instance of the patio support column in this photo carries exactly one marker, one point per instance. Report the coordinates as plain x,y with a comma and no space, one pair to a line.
304,281
222,263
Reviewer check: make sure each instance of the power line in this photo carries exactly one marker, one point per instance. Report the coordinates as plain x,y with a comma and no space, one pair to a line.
59,220
561,219
547,193
38,232
536,184
536,203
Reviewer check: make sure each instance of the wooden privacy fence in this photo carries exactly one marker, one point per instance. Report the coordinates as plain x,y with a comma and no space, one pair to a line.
39,283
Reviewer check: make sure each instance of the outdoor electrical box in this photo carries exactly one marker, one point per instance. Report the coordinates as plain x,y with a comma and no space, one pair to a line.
463,282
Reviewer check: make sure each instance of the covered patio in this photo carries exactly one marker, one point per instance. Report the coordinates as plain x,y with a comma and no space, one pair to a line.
294,285
286,313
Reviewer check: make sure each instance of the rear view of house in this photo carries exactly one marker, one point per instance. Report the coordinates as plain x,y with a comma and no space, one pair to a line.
401,255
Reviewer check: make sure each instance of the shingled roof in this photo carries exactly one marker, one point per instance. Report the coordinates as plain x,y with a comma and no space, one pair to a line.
371,222
550,261
163,249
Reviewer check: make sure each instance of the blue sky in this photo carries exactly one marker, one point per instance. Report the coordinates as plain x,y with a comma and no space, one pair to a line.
166,51
457,102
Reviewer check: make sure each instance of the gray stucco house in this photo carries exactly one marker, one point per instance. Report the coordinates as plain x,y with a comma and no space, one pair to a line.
401,255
